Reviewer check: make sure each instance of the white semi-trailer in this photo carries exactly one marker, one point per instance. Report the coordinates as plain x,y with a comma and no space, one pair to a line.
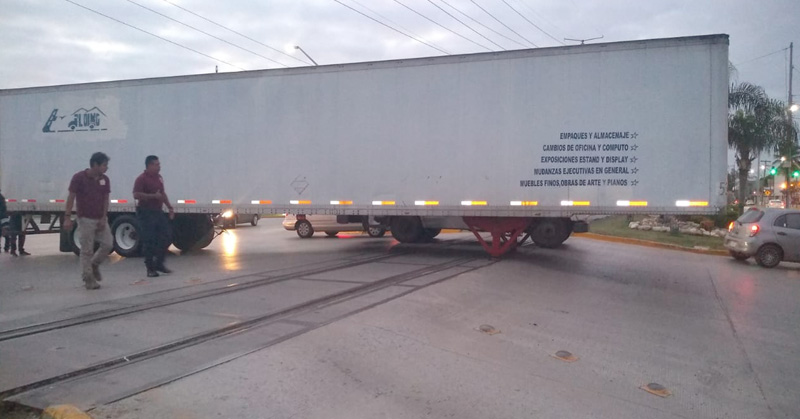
508,143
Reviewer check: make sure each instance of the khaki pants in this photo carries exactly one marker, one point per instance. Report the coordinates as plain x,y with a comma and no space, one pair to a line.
90,231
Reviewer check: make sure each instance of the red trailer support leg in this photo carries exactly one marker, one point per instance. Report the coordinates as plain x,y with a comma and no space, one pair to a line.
504,230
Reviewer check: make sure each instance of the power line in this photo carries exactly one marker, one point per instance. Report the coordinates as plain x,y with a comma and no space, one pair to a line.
468,27
500,22
206,33
390,21
396,30
479,23
152,34
542,17
763,56
533,24
237,33
441,26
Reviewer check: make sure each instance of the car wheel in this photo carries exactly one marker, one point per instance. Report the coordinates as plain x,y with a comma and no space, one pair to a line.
376,231
331,233
769,256
254,221
739,255
304,229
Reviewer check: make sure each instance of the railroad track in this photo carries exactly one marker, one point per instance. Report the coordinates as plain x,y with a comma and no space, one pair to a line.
39,390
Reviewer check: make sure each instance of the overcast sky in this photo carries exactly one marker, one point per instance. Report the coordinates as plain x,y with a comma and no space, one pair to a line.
48,42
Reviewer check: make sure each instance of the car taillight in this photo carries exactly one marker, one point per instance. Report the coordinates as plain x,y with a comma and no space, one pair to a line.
730,226
754,230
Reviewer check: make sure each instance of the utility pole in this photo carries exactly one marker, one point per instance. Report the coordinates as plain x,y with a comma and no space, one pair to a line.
789,131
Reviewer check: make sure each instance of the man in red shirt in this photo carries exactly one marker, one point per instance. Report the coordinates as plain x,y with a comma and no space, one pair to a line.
148,190
90,189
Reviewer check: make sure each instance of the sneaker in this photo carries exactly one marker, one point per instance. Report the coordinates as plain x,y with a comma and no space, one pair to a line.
24,253
91,285
14,253
151,273
96,273
163,269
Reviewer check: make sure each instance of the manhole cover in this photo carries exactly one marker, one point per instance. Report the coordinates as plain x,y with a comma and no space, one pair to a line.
565,356
657,389
488,329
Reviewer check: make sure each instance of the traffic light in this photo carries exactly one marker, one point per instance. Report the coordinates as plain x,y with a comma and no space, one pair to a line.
773,171
796,173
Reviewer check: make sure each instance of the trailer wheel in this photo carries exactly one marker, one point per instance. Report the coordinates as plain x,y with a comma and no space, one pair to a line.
550,233
331,233
192,231
125,231
376,231
407,229
304,229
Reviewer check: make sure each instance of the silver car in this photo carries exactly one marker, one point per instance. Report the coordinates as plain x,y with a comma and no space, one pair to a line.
306,225
770,235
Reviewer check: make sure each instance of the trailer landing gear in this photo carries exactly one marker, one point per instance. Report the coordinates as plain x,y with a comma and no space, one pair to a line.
504,230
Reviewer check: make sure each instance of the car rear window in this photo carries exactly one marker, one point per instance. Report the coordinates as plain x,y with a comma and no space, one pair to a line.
751,216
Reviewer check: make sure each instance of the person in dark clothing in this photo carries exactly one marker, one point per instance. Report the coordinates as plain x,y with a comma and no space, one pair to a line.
16,234
3,218
148,190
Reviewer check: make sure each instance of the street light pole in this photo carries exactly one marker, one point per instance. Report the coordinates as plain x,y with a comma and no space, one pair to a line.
304,53
789,129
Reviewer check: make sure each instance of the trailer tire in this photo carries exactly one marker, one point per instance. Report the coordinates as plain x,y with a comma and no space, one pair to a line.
192,232
549,233
431,233
304,229
127,240
331,233
407,229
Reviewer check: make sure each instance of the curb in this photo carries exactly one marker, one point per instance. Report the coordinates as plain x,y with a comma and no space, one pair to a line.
64,411
647,243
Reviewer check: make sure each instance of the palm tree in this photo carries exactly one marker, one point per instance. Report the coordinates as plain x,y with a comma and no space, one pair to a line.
755,123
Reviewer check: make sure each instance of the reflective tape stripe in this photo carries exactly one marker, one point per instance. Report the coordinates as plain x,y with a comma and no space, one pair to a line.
341,202
426,202
575,203
261,202
119,201
187,201
684,203
300,202
57,201
222,201
383,203
631,203
476,203
524,203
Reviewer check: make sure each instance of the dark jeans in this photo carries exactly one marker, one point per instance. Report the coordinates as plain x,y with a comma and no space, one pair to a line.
156,236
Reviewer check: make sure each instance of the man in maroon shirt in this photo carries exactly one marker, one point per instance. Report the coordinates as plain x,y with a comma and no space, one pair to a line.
90,189
148,190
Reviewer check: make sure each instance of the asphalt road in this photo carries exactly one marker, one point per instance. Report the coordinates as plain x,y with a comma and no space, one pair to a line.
436,330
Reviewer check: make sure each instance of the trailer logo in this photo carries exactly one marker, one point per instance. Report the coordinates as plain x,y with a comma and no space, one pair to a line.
81,120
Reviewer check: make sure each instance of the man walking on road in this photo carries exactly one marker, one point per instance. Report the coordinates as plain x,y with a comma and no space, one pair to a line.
90,188
148,190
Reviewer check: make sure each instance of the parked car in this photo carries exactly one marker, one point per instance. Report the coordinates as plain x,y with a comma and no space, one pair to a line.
775,203
770,235
306,225
229,220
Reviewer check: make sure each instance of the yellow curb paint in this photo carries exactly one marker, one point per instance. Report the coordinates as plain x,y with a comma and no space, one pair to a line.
647,243
64,411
